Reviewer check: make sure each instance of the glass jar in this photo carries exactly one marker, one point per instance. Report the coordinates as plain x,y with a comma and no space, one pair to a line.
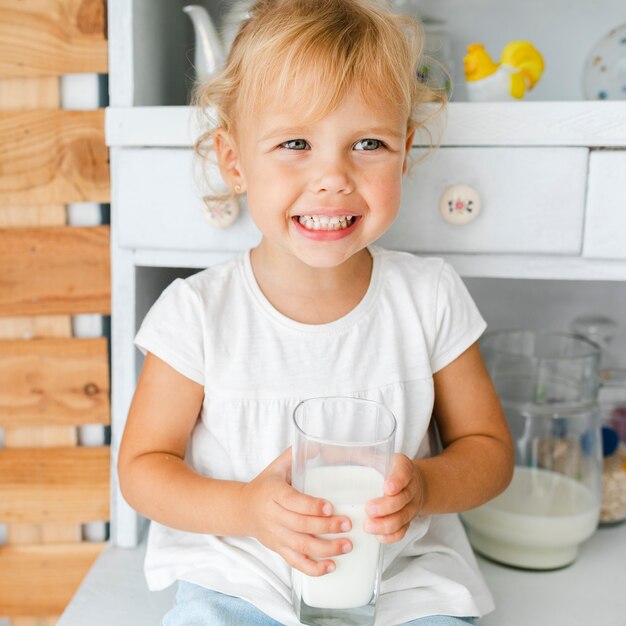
612,401
548,385
437,68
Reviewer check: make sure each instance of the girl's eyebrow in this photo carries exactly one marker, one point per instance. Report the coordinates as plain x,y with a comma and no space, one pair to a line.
383,130
281,131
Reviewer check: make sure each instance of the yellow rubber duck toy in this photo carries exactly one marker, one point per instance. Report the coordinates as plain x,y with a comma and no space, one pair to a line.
520,68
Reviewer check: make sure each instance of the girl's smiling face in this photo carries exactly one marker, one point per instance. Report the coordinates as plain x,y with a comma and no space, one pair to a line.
319,191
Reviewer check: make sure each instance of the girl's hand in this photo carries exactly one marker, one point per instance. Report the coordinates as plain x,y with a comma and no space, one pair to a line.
287,521
389,517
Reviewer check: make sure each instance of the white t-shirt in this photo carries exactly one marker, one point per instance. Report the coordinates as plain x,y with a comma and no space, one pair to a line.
218,329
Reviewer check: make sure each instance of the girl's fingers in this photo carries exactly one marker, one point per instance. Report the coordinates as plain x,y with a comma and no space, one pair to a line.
389,524
317,548
390,504
395,536
292,500
313,548
315,525
306,565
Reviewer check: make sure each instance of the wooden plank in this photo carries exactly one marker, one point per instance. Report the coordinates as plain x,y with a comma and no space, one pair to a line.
54,485
47,271
40,437
45,382
35,621
39,215
55,156
39,580
28,93
52,532
35,327
44,37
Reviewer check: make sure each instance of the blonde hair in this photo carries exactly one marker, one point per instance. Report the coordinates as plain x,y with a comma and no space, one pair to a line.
323,48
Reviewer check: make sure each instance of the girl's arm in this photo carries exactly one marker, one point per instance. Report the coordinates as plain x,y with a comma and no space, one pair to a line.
157,482
476,463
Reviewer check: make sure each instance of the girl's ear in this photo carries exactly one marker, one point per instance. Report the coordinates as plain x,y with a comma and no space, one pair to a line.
228,159
407,150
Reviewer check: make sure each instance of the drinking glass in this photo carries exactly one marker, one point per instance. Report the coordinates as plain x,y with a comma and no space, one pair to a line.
342,452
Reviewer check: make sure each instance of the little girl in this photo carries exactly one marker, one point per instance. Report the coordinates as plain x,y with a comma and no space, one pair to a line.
316,111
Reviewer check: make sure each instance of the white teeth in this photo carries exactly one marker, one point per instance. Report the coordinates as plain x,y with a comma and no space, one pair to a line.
324,222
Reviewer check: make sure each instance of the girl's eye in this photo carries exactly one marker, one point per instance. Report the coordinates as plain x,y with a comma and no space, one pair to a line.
368,144
295,144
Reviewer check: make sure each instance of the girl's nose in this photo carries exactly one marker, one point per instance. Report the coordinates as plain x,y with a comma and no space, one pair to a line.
334,177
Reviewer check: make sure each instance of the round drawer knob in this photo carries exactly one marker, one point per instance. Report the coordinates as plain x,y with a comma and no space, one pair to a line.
459,204
221,213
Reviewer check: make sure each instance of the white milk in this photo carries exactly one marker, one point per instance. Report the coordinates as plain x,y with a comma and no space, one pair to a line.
537,522
352,583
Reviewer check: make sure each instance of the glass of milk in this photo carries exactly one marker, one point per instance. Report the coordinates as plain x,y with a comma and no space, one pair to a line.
342,452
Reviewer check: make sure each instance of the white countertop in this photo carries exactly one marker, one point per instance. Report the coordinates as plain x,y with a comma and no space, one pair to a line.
590,592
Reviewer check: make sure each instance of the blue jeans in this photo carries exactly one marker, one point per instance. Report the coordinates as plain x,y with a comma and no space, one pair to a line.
197,606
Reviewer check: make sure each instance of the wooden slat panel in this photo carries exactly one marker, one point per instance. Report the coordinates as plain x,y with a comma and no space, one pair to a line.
40,580
47,271
46,382
52,37
54,485
55,156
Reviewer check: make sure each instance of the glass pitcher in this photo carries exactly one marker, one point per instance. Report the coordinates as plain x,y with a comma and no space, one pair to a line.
548,385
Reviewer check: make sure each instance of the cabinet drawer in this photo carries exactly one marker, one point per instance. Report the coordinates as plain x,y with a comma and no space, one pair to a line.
157,204
605,223
532,201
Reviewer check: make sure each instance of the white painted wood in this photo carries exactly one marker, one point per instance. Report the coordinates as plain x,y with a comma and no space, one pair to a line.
157,200
605,226
84,214
508,266
536,267
594,124
180,258
80,91
125,523
536,124
136,127
114,593
532,202
121,55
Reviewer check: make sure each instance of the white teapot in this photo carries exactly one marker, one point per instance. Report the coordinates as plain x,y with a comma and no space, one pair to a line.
209,54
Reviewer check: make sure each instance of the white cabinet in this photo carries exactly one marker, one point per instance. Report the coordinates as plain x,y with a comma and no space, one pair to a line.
605,227
532,202
550,171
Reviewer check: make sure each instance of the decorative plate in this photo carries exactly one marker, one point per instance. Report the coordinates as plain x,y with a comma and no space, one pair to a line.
604,75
